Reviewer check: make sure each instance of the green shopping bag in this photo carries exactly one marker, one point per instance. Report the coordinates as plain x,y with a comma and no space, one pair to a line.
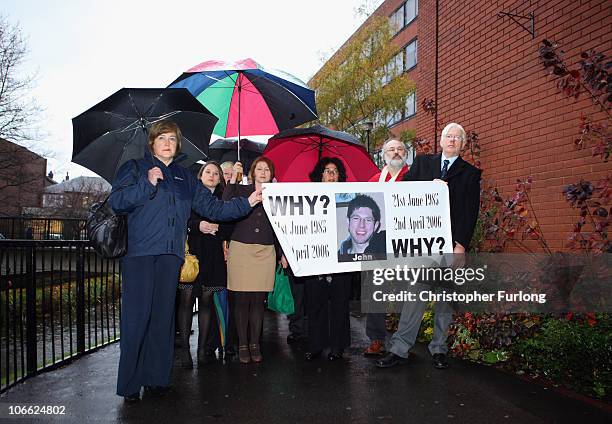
280,299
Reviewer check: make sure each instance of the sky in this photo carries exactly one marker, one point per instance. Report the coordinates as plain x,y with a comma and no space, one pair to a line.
82,51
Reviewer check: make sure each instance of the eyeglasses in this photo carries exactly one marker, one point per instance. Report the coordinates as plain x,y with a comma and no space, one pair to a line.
330,171
454,137
357,219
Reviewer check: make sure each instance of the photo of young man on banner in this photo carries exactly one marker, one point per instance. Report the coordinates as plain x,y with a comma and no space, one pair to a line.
366,239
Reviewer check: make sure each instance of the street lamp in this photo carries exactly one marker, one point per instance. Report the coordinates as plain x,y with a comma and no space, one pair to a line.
368,127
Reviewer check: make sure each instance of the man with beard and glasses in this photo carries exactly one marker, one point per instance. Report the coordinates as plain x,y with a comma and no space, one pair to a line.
395,155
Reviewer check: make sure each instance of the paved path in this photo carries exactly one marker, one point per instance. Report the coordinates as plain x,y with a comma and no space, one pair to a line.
285,388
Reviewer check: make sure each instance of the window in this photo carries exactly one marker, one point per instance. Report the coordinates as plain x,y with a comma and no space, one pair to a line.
411,54
410,105
397,64
397,20
367,50
394,118
377,119
407,12
394,68
412,10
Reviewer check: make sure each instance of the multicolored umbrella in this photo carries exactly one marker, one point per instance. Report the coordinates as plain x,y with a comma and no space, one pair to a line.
249,99
222,310
295,152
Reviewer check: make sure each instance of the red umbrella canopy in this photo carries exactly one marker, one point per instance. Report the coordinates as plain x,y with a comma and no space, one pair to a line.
295,152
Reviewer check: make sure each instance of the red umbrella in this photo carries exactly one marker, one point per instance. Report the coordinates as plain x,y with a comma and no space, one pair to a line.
296,151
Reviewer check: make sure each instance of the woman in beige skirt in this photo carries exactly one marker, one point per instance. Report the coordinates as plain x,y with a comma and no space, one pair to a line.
251,261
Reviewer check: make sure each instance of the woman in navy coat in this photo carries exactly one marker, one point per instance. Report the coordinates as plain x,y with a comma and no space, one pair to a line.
157,194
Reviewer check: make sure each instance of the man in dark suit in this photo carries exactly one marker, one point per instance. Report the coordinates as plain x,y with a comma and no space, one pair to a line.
463,182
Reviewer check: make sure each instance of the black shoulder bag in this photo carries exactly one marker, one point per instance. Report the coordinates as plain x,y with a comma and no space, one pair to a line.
107,231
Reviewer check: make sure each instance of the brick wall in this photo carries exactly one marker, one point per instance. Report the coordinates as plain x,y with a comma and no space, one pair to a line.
22,178
491,81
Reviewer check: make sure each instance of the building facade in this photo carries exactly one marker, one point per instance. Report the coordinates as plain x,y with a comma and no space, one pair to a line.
22,178
77,194
479,62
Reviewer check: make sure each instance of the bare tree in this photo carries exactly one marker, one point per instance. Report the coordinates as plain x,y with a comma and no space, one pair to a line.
18,110
22,172
366,7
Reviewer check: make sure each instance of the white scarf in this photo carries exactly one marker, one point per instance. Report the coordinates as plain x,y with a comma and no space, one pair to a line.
385,172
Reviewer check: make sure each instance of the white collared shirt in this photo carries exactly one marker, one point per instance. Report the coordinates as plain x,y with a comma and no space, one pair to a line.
450,161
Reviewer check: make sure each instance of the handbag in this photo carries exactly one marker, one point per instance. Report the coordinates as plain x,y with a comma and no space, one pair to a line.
190,268
280,298
106,230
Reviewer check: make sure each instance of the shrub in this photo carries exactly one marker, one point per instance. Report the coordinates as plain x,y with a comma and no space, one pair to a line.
488,337
577,353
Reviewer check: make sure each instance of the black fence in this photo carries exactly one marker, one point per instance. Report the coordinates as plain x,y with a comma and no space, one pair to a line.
59,300
22,228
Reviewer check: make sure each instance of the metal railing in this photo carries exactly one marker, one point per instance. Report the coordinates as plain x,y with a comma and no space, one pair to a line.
58,300
22,228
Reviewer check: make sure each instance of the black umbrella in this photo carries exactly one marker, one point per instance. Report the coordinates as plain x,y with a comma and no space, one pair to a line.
225,149
116,129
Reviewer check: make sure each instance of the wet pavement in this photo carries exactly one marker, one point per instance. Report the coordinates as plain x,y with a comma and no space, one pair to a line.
286,388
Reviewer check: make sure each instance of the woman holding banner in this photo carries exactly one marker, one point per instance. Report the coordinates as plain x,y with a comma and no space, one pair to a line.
328,296
251,260
157,194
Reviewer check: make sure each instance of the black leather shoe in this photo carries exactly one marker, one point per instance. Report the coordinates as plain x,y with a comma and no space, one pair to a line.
156,391
293,338
205,357
439,361
205,360
183,358
335,356
312,355
133,398
390,360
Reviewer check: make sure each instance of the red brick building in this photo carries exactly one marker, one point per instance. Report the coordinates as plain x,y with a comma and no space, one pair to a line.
482,68
22,178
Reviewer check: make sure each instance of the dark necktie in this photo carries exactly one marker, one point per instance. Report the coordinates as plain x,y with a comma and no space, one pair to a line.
444,169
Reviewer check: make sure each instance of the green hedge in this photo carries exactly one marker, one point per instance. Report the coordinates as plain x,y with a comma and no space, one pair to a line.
98,290
575,353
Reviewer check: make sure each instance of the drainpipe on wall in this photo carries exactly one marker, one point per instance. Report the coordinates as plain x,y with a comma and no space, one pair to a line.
435,140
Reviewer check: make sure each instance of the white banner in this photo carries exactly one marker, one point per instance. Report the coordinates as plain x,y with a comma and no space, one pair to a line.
325,228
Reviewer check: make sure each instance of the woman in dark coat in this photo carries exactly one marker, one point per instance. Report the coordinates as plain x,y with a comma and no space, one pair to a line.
328,296
251,261
157,194
206,243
